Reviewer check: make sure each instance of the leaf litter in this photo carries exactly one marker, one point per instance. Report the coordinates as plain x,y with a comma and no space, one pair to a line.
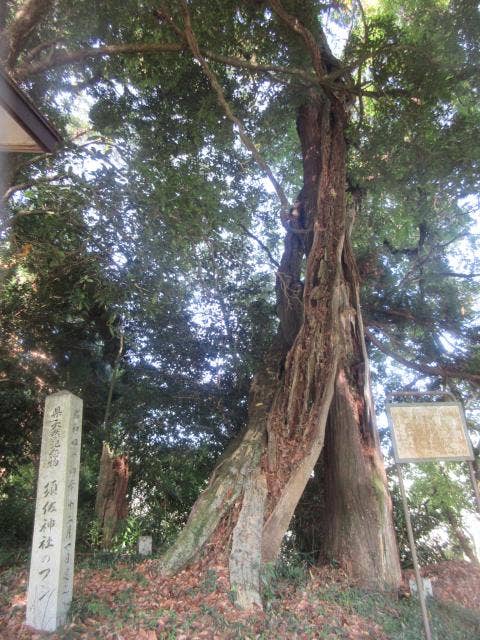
134,602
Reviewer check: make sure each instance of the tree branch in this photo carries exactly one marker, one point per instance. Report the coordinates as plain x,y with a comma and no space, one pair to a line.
321,55
68,146
26,185
453,274
261,245
400,313
164,15
429,370
26,19
4,9
111,386
361,106
62,57
390,315
244,137
33,53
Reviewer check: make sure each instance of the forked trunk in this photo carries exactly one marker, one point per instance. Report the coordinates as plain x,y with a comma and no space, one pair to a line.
247,507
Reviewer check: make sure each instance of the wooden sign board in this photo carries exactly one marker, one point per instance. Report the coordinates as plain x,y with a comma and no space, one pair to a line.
429,431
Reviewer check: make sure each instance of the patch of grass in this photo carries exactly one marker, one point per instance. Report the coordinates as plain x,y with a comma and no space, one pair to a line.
401,619
97,560
128,573
209,583
11,583
92,607
291,572
125,596
13,556
216,616
125,611
285,585
106,559
168,635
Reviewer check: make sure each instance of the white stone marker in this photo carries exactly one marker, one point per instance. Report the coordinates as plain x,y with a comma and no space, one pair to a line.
145,546
427,587
50,584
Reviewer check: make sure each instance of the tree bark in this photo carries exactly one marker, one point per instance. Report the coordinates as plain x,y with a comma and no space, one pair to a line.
111,503
358,511
347,515
356,528
462,538
256,486
26,18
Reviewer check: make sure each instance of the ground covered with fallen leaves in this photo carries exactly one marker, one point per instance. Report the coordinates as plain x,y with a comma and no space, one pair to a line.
456,581
127,600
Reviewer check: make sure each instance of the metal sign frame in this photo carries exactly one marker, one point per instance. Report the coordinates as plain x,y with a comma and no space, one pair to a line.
468,444
398,463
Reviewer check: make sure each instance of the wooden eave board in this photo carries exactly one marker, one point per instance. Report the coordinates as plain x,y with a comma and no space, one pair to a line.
22,126
15,138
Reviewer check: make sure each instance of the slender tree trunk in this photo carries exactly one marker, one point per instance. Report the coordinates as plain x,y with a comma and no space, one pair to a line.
247,507
462,538
9,163
111,502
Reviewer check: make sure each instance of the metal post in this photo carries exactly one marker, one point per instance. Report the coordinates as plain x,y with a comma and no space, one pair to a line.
474,484
418,577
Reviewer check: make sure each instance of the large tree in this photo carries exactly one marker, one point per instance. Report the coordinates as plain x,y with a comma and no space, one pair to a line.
196,68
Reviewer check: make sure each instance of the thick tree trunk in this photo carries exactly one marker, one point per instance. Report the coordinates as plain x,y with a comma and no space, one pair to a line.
245,511
358,530
347,515
111,502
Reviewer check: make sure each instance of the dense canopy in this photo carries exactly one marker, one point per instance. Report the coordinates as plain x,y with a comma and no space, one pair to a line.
194,230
